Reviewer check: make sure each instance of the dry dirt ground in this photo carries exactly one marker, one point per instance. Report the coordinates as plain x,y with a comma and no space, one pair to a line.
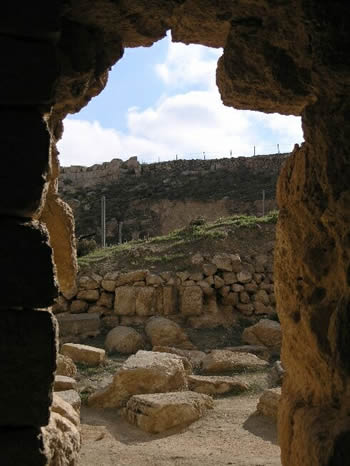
230,434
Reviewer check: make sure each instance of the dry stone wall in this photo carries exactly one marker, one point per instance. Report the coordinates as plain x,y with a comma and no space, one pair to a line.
221,289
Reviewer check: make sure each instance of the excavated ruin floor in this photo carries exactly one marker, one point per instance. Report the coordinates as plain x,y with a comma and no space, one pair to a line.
230,434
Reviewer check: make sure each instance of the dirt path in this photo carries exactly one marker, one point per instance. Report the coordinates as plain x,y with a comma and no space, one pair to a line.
230,434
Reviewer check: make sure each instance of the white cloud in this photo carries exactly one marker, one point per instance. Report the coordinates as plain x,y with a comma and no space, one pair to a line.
189,65
188,123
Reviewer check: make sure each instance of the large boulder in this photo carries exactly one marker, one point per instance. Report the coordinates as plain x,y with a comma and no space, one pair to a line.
165,332
65,366
124,340
84,354
218,361
266,332
144,372
216,385
159,412
269,402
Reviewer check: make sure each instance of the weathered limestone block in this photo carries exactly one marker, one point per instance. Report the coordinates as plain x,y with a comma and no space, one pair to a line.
84,354
262,297
72,398
34,59
216,385
26,257
108,285
131,277
125,300
63,382
106,300
269,401
223,262
159,412
90,296
218,282
123,340
145,304
258,350
236,263
165,332
78,326
209,269
192,301
195,357
266,332
144,372
229,278
28,363
65,366
244,276
170,300
246,309
87,283
78,306
152,279
223,361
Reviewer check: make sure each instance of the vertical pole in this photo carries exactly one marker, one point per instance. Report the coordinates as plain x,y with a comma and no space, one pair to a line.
176,156
103,221
278,148
254,150
120,232
263,202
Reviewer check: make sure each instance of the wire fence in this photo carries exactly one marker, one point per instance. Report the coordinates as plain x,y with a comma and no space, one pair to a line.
244,151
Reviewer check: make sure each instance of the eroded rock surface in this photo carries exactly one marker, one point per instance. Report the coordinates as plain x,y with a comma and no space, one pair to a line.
144,372
218,361
159,412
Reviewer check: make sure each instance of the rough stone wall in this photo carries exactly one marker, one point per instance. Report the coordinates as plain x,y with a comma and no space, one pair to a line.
288,57
79,176
215,293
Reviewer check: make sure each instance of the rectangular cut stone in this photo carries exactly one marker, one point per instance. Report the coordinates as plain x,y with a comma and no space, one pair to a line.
28,362
28,73
84,354
125,300
24,147
26,260
192,300
22,446
39,19
78,326
169,300
145,301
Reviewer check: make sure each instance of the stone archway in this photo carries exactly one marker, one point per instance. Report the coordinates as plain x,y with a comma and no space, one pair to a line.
290,57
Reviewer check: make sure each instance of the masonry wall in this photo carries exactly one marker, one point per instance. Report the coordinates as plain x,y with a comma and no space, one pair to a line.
217,292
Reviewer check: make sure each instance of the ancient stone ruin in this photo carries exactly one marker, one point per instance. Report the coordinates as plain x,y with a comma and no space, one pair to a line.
288,57
217,293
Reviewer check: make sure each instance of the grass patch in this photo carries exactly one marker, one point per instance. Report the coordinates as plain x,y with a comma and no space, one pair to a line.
152,250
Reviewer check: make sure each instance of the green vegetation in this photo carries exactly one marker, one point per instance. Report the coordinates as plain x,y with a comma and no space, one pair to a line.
172,247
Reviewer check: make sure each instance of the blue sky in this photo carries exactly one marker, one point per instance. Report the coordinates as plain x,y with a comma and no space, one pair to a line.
162,101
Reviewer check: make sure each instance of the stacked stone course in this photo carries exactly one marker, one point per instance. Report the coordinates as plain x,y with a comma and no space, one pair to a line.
216,293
